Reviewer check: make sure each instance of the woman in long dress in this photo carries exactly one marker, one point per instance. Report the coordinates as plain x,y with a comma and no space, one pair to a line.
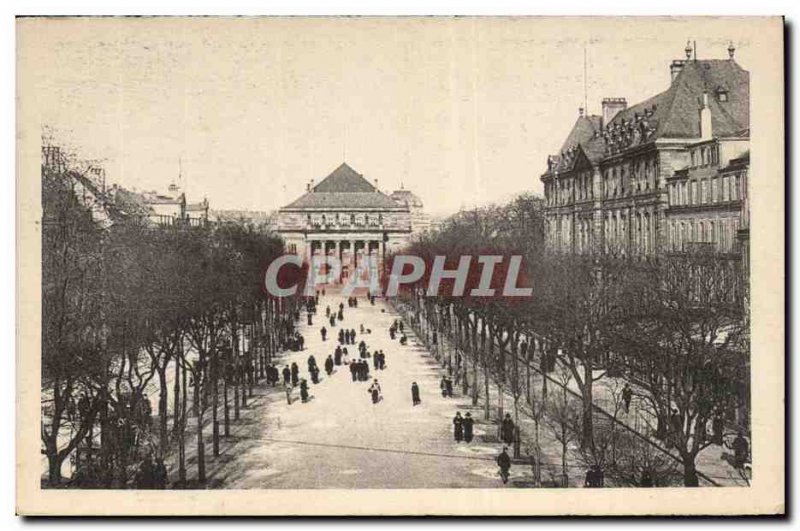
458,427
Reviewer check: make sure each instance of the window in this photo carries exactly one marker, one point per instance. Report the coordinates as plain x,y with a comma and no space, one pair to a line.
704,195
725,189
714,190
694,193
722,95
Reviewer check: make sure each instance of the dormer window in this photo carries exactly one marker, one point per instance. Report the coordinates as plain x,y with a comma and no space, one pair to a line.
722,95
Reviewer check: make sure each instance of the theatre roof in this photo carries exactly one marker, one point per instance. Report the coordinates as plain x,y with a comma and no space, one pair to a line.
344,188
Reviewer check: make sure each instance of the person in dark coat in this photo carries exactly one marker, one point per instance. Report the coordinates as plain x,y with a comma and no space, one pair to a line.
383,360
327,311
741,450
391,332
415,394
295,374
352,336
376,361
340,316
458,427
144,476
333,321
308,317
312,362
287,375
717,426
504,462
160,474
627,395
329,365
314,375
303,390
449,386
400,326
507,429
354,370
324,332
341,336
337,355
443,386
468,422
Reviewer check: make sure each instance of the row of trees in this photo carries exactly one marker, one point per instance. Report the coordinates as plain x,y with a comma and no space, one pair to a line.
673,327
129,309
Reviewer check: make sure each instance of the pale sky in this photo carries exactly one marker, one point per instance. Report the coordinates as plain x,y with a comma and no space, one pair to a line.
461,111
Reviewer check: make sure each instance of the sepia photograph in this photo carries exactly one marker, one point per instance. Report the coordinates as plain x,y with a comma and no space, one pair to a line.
368,265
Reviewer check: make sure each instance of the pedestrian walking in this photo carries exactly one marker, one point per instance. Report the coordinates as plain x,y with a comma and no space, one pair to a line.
627,395
375,391
303,391
468,422
443,386
327,311
324,332
295,374
507,430
353,370
458,427
415,394
287,375
329,365
504,462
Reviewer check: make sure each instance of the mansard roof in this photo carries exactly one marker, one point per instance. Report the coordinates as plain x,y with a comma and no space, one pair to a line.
674,113
671,114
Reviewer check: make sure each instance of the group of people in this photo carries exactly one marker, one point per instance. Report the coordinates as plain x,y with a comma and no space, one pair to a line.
462,427
352,302
397,326
359,370
296,342
347,337
446,385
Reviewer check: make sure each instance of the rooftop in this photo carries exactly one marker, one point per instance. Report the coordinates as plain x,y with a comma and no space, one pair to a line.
343,188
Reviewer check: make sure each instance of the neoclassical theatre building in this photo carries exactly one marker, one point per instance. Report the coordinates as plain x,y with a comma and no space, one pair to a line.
348,217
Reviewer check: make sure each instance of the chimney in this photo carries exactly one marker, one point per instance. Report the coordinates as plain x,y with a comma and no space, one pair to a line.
675,68
705,119
611,106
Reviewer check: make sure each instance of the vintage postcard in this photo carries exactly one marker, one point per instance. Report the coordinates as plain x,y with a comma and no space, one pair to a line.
400,266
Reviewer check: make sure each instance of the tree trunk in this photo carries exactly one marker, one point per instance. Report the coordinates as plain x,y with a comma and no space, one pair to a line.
201,457
162,408
215,404
690,478
54,462
587,429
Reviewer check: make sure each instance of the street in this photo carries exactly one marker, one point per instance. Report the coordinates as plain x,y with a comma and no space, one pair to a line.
339,439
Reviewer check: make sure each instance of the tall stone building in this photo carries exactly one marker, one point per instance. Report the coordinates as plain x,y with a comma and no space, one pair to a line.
668,174
345,216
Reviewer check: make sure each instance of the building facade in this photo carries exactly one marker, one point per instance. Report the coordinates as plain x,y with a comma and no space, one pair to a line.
348,217
668,174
